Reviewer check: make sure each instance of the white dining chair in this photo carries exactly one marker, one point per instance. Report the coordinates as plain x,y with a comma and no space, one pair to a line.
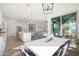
26,37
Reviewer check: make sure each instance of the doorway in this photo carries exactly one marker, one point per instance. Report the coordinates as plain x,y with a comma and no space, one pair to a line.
56,26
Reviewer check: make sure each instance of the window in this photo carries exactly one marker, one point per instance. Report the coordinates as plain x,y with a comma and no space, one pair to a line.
56,26
68,25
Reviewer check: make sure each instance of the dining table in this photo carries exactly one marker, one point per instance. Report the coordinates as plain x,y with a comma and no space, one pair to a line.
42,47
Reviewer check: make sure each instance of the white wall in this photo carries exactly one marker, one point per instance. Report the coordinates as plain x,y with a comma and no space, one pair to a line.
10,26
39,26
65,8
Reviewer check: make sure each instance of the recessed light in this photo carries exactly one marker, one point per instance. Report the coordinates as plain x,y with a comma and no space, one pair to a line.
14,6
28,5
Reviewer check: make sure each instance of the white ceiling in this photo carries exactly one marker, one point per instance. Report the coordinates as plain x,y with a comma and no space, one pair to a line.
30,11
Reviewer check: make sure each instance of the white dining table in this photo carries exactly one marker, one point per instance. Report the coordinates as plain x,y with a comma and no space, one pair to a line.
42,48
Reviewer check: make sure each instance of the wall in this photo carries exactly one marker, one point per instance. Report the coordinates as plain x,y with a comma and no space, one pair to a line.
39,26
65,8
10,26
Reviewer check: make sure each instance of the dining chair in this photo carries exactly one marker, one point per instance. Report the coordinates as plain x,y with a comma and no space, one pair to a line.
27,37
26,52
23,53
62,50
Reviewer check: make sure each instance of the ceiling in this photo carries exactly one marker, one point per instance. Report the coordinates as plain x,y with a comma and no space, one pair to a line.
23,11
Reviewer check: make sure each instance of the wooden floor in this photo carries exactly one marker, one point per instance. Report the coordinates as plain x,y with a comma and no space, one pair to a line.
12,50
11,46
73,52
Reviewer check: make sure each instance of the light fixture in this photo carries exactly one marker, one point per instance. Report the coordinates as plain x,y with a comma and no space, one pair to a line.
47,8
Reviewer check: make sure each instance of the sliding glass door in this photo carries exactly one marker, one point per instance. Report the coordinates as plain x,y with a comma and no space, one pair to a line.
69,28
66,26
56,26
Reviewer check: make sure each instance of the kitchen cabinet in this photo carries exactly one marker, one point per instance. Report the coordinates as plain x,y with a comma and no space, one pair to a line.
2,45
0,20
2,37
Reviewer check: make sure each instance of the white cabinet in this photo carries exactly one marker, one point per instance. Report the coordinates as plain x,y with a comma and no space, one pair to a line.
0,19
25,36
2,37
1,50
2,45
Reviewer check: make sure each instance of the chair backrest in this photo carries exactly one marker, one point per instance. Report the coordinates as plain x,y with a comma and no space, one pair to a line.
65,47
27,37
23,53
62,50
26,52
